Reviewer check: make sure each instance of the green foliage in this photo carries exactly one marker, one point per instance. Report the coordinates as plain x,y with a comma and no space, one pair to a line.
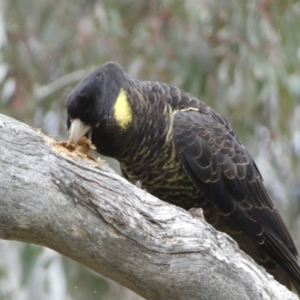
240,57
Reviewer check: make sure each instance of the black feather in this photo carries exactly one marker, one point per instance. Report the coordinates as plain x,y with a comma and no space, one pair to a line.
185,153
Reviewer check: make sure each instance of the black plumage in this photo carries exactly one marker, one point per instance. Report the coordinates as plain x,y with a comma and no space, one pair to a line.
184,153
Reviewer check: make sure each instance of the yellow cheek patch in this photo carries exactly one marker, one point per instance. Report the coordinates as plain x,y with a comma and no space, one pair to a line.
122,110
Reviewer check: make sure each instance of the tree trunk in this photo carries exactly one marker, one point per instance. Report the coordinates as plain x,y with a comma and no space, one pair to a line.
85,211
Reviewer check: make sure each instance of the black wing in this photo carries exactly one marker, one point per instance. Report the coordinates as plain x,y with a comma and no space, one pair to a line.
226,174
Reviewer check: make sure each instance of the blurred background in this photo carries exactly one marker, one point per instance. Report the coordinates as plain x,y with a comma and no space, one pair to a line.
240,57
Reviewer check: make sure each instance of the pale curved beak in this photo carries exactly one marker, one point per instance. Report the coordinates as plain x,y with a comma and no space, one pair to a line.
78,129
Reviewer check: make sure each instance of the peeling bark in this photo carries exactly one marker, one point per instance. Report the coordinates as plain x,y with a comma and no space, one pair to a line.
90,214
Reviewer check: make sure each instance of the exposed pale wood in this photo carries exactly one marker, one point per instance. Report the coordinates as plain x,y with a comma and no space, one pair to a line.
97,218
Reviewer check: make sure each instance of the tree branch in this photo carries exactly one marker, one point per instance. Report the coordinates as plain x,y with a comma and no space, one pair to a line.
90,214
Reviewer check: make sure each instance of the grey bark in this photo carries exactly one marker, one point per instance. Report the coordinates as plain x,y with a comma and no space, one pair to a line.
90,214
